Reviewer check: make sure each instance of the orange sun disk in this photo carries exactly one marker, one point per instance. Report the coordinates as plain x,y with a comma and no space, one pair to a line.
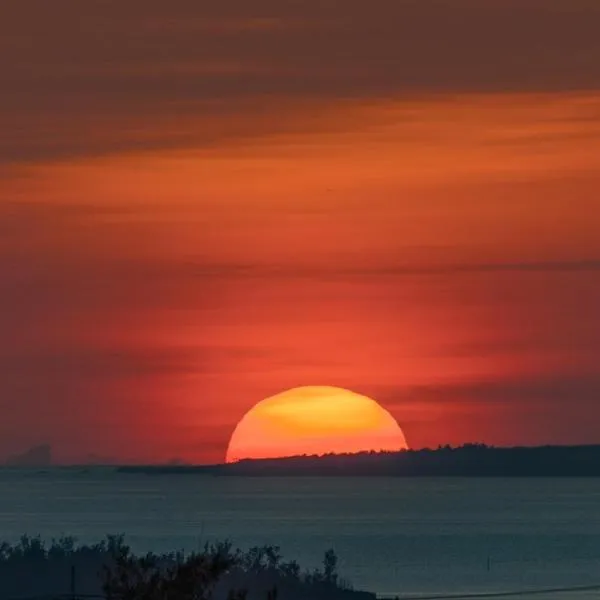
314,420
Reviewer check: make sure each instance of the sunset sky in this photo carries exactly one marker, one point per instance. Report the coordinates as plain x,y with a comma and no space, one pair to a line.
205,203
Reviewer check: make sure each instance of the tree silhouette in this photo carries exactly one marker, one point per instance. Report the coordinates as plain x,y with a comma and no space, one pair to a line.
148,578
330,562
109,568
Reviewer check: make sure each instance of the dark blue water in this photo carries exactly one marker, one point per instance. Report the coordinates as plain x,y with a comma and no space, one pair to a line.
392,535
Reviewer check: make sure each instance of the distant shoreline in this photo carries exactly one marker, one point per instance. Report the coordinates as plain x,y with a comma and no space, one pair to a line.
470,460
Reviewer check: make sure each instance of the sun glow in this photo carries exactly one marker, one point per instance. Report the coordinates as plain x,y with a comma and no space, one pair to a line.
314,420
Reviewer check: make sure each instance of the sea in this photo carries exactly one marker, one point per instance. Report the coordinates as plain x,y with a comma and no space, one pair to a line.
406,537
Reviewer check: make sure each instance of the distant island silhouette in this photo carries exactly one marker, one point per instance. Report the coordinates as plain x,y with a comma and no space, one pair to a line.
36,456
469,460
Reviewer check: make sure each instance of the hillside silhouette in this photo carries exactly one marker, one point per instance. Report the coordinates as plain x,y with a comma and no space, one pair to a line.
469,460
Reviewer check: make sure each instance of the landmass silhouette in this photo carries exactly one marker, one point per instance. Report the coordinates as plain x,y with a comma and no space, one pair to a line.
36,456
469,460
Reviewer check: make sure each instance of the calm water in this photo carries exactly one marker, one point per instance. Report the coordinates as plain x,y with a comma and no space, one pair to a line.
392,535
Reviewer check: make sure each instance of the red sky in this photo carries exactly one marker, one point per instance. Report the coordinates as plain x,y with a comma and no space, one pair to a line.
201,207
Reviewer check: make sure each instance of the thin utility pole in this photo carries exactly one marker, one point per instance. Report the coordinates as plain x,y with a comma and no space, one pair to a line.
72,582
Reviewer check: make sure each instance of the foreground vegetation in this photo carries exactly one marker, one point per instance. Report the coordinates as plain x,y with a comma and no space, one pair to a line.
111,570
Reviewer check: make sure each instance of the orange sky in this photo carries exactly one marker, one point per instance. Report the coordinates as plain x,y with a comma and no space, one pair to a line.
185,229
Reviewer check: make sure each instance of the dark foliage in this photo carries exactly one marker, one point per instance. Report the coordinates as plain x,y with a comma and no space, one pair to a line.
152,577
109,569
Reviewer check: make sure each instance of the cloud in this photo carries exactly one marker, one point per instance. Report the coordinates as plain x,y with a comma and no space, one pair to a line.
106,77
103,364
543,390
559,408
346,270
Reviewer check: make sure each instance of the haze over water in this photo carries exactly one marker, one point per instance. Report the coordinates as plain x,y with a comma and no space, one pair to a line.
392,535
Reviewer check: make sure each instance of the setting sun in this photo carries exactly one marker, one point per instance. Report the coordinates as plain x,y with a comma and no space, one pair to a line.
314,420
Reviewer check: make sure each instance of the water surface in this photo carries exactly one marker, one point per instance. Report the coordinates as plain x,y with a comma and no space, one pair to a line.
393,535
